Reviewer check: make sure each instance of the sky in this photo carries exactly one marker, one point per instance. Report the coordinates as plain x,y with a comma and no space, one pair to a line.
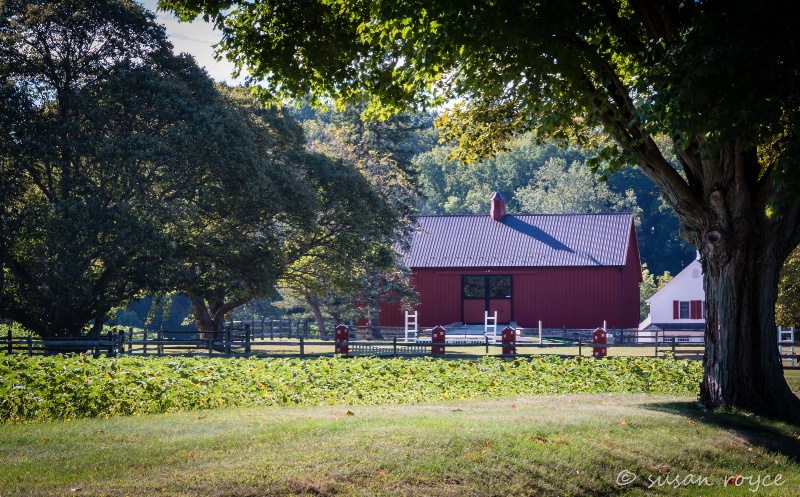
197,39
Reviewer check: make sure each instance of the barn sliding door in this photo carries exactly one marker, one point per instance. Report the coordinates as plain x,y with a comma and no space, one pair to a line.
486,293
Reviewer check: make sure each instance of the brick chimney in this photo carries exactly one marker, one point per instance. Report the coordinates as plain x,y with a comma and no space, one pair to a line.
498,211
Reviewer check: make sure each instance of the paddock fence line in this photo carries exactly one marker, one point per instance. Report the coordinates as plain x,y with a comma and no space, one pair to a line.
292,338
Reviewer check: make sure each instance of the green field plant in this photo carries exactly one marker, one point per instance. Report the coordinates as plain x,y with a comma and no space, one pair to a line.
71,387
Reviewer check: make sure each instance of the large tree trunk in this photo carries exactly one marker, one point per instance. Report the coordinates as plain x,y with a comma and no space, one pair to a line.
312,300
375,323
743,250
209,316
742,364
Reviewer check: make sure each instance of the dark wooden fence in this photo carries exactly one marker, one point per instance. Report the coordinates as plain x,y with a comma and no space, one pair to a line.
291,338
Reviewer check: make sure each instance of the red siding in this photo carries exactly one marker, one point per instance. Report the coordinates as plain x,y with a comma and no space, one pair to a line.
571,297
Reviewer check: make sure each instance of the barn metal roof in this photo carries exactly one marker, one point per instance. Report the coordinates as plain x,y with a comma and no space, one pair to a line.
537,240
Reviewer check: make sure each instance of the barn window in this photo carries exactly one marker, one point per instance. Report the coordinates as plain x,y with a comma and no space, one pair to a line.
474,287
487,287
499,287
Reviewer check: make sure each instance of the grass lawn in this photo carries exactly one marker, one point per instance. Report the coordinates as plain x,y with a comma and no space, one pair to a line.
549,445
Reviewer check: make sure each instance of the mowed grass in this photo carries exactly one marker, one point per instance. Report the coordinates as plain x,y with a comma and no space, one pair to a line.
550,446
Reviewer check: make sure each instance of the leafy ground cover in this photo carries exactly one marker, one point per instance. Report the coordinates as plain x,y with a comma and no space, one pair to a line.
556,445
64,388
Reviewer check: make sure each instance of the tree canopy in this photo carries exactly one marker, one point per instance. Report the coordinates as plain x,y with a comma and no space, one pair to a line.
720,79
126,170
78,169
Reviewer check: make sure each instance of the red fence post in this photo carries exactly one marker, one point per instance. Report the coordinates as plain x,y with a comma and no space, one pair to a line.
342,339
509,338
599,337
438,335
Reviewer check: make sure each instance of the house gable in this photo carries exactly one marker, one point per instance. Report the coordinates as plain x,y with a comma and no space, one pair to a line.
684,294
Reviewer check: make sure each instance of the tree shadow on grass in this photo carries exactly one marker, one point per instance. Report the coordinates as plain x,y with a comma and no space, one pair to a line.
780,438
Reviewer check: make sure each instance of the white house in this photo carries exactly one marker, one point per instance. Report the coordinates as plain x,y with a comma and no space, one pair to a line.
677,310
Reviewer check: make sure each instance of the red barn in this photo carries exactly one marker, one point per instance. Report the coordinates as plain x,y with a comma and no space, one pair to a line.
567,270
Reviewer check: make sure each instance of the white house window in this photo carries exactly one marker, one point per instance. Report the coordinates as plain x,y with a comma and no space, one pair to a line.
684,311
687,309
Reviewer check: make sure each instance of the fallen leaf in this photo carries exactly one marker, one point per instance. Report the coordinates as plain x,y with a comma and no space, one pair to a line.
513,406
456,428
623,422
692,422
191,455
351,413
483,451
469,456
76,489
460,410
203,416
558,440
46,438
382,473
539,440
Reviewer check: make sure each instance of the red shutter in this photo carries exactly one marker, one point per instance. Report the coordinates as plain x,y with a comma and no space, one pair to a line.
675,309
697,309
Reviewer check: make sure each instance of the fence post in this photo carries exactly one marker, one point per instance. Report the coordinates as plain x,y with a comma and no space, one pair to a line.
509,338
486,339
10,345
394,344
580,346
342,340
121,341
160,335
302,348
656,354
247,332
599,337
30,346
144,339
272,329
438,336
130,339
673,346
210,344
